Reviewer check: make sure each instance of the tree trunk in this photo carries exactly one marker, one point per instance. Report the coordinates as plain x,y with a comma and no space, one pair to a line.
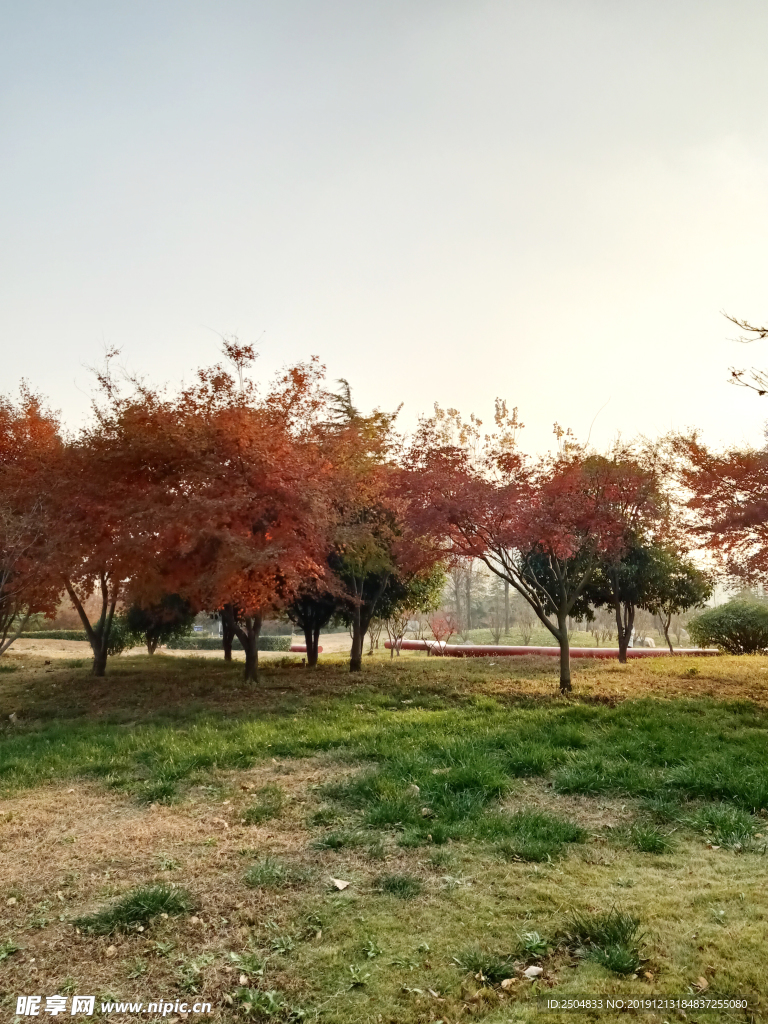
98,637
358,636
151,646
665,624
312,640
565,658
624,625
506,607
227,630
248,635
100,662
468,593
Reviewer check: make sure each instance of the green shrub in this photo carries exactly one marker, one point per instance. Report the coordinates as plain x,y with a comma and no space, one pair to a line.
739,627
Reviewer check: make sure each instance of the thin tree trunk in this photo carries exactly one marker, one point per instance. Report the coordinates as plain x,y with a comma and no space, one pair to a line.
6,643
506,607
665,624
358,636
624,624
468,594
565,656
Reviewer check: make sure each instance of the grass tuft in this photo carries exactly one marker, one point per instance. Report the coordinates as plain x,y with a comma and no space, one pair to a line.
271,873
269,805
724,825
405,887
649,838
137,908
484,965
610,939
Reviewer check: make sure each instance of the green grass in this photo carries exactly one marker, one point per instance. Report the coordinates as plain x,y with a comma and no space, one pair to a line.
724,824
529,835
137,908
405,887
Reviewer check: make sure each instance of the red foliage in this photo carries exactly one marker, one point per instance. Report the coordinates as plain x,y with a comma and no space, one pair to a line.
29,440
728,500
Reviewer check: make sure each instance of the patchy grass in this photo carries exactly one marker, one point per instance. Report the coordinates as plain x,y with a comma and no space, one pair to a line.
424,774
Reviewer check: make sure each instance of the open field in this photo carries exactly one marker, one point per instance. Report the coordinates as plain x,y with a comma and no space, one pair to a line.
481,820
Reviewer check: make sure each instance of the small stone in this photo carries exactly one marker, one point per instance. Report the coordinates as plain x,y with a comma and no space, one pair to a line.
164,917
427,812
194,920
243,979
533,972
111,950
12,901
413,789
507,983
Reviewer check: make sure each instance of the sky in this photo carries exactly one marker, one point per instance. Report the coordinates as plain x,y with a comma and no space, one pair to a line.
548,201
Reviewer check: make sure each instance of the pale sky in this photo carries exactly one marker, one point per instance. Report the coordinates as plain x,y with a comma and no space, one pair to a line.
550,201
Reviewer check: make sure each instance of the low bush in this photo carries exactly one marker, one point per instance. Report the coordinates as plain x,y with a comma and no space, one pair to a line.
739,627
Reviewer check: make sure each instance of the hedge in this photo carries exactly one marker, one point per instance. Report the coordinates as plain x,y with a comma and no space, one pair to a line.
54,634
192,643
215,643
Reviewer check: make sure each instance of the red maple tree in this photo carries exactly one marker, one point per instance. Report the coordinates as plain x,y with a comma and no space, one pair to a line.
540,525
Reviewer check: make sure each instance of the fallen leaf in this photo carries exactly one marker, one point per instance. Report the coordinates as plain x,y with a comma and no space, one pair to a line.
243,979
194,920
702,984
111,950
508,983
533,972
11,901
340,883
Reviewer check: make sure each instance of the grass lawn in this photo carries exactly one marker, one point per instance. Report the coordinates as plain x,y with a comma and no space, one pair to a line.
399,847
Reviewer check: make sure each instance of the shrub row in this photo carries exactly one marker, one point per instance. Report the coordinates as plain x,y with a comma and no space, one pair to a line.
54,634
214,643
